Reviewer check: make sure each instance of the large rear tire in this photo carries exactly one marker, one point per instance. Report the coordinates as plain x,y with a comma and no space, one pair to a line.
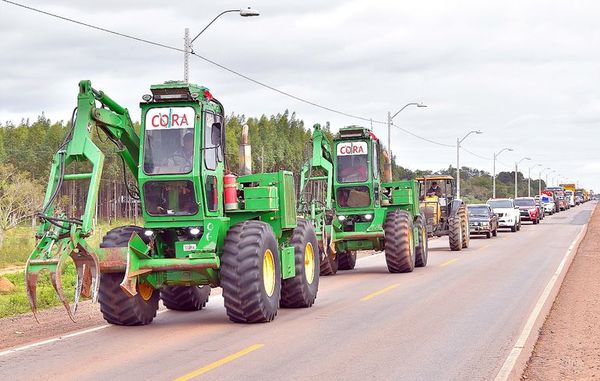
455,233
251,273
116,306
346,260
301,290
185,298
399,242
422,249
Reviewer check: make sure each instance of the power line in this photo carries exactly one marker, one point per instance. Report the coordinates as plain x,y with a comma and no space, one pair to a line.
476,155
423,138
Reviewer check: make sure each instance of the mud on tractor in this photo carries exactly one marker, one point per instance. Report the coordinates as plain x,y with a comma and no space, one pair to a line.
444,213
202,228
351,208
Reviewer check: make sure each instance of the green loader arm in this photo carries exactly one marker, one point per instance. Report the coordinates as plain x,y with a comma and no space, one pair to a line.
60,237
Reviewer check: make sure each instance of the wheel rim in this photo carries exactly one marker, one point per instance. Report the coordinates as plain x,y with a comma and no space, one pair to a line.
309,263
145,291
423,238
268,271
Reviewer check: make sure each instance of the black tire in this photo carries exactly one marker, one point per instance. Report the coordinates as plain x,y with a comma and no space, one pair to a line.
513,228
116,306
422,248
488,235
464,216
346,260
519,226
246,246
455,233
329,265
495,232
399,242
301,290
185,298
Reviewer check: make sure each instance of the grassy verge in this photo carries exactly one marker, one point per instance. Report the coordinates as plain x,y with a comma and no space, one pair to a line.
16,249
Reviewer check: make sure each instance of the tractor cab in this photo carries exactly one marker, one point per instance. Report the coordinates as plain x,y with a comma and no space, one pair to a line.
182,160
356,174
436,196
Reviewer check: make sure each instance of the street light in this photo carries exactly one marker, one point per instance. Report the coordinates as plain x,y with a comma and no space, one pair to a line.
529,179
494,177
551,172
391,117
540,179
458,141
516,170
187,44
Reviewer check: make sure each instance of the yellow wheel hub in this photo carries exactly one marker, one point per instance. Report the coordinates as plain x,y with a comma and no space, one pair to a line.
309,263
145,291
268,272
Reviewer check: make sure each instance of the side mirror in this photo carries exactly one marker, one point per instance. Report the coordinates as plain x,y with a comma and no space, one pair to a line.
215,137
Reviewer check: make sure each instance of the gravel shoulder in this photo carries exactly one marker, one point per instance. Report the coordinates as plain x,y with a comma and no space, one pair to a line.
568,347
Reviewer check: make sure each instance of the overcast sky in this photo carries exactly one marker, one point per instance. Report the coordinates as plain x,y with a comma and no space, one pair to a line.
525,73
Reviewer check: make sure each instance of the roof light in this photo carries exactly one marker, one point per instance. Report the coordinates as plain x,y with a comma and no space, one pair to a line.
147,97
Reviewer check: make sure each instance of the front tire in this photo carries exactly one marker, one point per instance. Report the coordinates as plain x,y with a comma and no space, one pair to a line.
116,306
399,242
251,273
346,260
301,290
329,265
185,298
495,232
464,217
455,233
422,249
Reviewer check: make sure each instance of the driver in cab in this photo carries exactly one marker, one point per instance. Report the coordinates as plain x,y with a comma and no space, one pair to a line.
434,190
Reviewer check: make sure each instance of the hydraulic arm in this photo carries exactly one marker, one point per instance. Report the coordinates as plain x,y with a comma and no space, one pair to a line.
61,236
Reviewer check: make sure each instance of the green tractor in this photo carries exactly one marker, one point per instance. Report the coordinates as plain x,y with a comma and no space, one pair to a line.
202,228
352,209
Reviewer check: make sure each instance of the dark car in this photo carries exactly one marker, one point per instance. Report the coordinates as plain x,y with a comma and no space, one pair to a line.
528,209
482,220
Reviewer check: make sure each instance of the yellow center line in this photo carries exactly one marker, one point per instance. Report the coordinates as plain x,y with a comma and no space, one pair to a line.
484,247
376,293
220,362
449,262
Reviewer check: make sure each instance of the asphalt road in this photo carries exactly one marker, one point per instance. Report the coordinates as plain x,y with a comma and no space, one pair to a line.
455,319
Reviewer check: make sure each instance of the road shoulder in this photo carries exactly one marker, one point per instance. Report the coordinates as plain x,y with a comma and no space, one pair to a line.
568,346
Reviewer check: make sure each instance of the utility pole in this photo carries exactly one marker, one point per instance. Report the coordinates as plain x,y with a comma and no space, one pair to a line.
186,55
390,119
529,179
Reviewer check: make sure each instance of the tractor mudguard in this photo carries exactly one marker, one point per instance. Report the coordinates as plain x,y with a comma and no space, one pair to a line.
455,206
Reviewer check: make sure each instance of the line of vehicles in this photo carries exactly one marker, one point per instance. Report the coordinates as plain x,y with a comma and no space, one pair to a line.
510,213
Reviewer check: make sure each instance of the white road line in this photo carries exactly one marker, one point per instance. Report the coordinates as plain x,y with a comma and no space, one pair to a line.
212,300
508,367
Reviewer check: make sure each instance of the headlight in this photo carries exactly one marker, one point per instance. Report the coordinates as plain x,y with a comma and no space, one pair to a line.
342,218
194,232
485,223
148,233
368,217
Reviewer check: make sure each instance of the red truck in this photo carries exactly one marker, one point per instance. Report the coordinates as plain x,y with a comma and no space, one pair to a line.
528,209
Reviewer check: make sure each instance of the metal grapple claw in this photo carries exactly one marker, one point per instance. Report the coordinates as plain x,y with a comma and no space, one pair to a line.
50,254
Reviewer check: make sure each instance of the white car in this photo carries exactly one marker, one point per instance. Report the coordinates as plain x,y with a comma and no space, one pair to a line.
549,204
509,215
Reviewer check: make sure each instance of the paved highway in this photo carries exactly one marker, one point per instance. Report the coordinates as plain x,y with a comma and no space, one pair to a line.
458,318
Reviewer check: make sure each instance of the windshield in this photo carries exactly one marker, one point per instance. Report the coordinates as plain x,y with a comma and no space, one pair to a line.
352,162
525,202
479,210
169,140
500,203
353,197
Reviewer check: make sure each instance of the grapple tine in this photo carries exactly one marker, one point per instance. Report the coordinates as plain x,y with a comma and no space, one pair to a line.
31,287
56,279
78,286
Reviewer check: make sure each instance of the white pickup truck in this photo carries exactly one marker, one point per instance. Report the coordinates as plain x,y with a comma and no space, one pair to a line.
508,213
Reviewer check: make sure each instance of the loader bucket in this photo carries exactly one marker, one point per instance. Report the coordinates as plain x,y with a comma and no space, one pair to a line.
50,254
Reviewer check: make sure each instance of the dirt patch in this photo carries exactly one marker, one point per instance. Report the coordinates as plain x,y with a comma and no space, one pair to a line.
569,344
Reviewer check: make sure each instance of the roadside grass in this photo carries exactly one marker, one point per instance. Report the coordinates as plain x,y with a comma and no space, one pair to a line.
17,246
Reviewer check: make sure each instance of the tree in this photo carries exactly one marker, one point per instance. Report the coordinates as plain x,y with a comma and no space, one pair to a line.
20,197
